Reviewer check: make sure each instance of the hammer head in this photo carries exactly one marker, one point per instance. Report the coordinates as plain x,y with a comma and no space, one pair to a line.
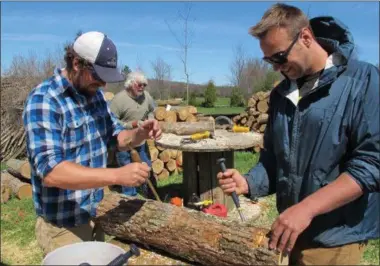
134,250
220,160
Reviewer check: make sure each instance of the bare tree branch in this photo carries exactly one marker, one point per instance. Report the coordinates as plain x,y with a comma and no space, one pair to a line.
184,41
162,77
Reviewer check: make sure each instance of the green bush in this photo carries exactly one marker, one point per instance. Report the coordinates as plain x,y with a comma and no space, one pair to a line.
237,98
210,95
193,99
267,83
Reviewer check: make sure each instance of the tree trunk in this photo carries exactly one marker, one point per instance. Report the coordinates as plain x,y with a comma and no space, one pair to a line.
191,118
192,109
171,165
262,106
183,113
20,166
187,128
153,153
5,192
20,189
160,113
157,166
164,156
164,174
171,116
189,234
262,119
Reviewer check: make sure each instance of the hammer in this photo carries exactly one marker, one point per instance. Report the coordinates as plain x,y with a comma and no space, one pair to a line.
234,195
136,158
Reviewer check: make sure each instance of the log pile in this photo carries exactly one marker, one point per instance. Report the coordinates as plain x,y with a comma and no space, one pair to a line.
15,181
13,143
189,234
172,102
180,114
165,162
255,115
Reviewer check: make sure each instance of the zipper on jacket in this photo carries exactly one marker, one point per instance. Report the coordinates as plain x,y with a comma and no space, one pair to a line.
294,141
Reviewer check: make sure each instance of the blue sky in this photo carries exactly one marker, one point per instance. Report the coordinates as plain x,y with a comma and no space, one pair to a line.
141,34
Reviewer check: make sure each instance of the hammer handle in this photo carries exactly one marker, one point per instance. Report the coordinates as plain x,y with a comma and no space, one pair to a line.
136,158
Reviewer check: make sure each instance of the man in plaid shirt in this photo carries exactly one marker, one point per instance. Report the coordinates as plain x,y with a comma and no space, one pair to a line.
69,127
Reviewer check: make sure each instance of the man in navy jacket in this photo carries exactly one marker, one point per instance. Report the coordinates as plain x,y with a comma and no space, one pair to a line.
321,154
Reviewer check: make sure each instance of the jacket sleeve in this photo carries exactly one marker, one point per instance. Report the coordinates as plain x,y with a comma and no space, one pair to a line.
261,179
364,160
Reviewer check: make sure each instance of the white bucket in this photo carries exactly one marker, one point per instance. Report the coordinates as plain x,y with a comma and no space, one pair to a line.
92,252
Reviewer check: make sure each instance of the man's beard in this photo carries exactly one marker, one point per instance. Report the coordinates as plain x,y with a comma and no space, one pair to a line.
83,90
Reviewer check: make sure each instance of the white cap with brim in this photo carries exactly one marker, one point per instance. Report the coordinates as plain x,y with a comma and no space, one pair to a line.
101,52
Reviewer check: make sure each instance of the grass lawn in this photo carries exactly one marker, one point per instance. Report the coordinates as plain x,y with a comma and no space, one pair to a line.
222,106
19,246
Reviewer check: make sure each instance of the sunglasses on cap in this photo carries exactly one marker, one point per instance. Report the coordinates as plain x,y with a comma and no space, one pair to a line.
281,58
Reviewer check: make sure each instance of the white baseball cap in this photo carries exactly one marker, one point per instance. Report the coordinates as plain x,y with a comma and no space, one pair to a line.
96,48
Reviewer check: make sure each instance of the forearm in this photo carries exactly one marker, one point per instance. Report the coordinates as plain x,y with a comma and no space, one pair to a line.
338,193
69,175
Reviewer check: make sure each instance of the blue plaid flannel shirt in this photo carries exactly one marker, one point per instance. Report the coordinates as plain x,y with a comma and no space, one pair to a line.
61,125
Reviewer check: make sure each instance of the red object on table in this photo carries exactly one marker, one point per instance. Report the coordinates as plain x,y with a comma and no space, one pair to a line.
216,209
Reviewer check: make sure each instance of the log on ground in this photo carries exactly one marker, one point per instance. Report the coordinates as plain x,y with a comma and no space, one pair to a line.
190,234
5,192
20,189
21,166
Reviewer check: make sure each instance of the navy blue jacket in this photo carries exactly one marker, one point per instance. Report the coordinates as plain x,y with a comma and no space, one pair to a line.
332,130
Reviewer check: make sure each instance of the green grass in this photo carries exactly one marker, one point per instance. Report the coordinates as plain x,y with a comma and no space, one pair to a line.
220,101
19,246
220,110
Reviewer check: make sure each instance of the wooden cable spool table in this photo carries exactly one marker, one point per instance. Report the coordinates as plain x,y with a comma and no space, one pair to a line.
200,162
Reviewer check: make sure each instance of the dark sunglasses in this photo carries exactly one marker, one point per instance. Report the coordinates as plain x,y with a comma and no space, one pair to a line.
94,74
142,85
281,58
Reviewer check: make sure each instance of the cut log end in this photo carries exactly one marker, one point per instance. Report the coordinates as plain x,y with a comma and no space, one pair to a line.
157,166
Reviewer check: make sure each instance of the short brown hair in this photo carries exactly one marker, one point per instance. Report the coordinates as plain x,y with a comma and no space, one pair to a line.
280,16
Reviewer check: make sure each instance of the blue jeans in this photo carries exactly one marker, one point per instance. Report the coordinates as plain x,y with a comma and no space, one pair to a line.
124,158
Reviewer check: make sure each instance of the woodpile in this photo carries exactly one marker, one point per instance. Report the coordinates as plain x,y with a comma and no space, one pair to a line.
180,114
172,102
13,142
255,115
16,180
165,162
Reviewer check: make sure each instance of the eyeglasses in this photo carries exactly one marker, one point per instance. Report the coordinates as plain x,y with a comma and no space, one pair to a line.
94,74
281,58
142,85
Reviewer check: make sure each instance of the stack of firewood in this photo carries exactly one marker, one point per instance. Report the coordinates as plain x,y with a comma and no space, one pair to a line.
16,180
255,116
13,142
165,162
180,114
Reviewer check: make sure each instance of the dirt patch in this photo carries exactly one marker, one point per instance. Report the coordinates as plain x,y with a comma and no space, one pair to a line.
13,254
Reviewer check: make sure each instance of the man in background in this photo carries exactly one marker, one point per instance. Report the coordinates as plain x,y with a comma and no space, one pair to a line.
132,106
321,144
